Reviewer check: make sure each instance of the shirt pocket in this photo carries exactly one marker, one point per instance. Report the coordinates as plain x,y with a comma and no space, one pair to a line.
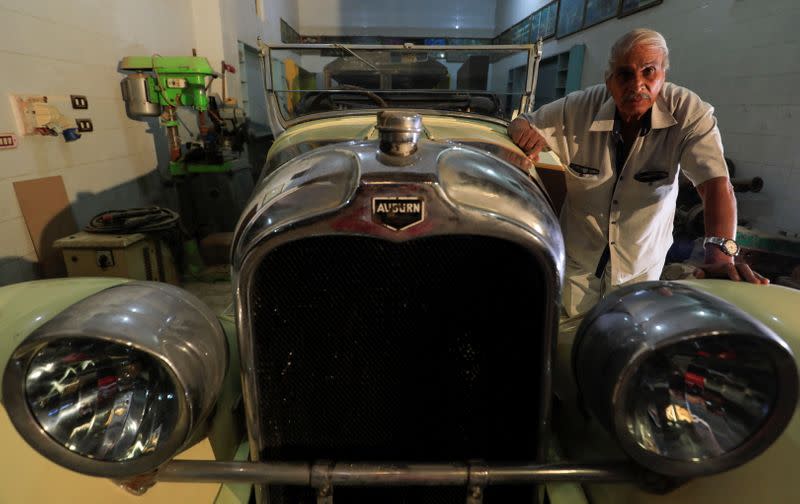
656,179
583,171
651,176
584,179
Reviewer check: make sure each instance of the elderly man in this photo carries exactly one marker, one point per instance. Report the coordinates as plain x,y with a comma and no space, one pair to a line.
623,144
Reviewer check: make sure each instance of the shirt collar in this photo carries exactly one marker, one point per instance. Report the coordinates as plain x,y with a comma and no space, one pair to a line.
660,116
604,120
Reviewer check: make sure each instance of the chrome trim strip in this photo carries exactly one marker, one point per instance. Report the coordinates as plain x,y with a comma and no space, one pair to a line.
294,150
534,58
274,117
356,474
515,157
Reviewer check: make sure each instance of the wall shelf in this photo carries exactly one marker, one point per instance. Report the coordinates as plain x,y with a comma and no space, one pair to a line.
559,75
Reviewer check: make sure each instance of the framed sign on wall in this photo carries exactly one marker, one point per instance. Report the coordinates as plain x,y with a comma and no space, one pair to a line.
598,11
570,17
631,6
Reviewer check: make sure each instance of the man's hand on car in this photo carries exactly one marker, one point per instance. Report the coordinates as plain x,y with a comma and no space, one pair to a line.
733,271
526,137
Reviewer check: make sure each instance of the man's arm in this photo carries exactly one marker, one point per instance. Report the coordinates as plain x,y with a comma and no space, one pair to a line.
543,128
719,211
703,161
526,137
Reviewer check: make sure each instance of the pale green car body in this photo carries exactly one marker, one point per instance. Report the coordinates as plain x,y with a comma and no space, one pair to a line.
768,478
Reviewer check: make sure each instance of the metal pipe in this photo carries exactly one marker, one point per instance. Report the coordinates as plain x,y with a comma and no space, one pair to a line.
236,472
389,474
595,473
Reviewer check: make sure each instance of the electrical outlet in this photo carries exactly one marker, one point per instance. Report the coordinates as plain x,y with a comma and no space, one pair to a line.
104,258
8,141
84,125
79,102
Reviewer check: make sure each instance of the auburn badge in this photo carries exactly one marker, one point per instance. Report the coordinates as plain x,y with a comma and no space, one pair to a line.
398,213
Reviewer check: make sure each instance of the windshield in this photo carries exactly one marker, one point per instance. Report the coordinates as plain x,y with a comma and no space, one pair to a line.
483,80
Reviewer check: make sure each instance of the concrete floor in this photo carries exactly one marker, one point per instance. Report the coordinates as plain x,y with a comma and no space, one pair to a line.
213,287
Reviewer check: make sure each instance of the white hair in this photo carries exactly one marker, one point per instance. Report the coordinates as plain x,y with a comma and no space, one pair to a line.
638,37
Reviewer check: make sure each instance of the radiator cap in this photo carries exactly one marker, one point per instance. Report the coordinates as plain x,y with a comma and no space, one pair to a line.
399,132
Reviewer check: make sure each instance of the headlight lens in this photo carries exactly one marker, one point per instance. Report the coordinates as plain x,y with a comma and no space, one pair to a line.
118,383
688,384
105,401
700,399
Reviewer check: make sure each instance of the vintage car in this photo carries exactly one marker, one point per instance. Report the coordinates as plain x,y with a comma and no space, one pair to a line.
394,334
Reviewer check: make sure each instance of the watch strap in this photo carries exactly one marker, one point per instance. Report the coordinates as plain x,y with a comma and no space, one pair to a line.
720,243
715,240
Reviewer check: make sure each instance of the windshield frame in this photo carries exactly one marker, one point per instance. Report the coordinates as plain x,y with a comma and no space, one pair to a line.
279,124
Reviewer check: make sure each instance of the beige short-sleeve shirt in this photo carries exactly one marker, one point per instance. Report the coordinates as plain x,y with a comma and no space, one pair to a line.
632,214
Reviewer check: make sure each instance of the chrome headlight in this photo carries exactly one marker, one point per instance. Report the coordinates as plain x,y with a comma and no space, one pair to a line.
689,384
118,383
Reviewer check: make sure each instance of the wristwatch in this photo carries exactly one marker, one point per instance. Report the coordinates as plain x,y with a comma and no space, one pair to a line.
728,246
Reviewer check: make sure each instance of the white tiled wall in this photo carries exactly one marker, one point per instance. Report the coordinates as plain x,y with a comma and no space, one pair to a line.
267,22
56,48
411,18
743,57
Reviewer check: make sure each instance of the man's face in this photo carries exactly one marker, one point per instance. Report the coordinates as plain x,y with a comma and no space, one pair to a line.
636,81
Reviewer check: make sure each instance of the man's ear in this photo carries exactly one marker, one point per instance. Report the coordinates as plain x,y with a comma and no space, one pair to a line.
608,76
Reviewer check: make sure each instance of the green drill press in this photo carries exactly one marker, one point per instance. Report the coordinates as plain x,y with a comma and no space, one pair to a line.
213,178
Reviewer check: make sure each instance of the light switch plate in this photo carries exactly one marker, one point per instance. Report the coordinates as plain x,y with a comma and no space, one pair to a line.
79,102
84,125
8,141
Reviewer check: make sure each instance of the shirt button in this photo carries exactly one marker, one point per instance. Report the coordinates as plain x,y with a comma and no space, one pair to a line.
613,222
613,243
616,202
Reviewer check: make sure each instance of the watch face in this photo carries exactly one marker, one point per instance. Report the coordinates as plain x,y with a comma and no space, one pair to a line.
731,247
